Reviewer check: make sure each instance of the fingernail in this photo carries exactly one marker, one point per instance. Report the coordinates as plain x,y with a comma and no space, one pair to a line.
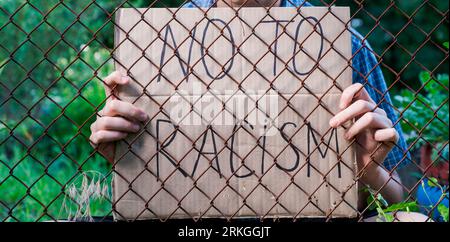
125,79
143,116
346,136
333,122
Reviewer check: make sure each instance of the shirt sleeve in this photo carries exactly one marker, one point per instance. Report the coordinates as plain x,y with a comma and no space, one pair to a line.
198,4
367,71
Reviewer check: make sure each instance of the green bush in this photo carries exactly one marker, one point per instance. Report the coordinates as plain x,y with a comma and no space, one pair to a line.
425,114
34,178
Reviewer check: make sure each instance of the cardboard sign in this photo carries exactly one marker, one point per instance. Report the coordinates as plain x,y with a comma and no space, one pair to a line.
239,105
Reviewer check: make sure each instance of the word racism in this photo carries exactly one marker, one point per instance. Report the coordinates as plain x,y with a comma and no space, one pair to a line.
163,149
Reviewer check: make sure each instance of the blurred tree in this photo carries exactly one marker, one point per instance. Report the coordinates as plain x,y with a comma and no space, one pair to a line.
408,35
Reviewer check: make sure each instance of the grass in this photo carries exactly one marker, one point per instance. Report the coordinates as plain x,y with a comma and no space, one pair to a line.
31,192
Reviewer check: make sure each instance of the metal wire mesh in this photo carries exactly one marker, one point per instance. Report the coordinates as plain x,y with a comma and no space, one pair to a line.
51,77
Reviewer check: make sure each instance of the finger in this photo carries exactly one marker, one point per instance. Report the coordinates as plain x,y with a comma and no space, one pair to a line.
125,109
355,110
104,136
386,135
369,120
355,91
115,124
388,138
114,79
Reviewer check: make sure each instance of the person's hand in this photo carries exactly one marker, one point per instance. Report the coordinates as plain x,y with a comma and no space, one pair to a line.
116,120
373,130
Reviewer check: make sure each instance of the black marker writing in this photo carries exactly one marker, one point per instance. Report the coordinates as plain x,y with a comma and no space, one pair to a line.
294,148
225,70
263,151
231,156
275,44
322,153
319,55
184,68
161,149
202,152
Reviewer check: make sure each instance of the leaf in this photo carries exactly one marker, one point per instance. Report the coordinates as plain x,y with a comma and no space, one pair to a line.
381,199
380,213
443,210
2,65
445,44
403,206
424,76
370,199
432,182
388,217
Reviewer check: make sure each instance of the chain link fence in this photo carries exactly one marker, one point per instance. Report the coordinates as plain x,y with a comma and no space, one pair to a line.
55,56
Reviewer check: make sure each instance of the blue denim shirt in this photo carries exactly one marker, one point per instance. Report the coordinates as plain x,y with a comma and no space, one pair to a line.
367,71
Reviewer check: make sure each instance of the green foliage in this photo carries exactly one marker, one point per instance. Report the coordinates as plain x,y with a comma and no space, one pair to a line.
446,45
59,129
433,182
441,208
431,100
426,113
385,211
443,211
410,28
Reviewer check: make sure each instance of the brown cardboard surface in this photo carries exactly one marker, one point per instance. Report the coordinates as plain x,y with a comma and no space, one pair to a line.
198,156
